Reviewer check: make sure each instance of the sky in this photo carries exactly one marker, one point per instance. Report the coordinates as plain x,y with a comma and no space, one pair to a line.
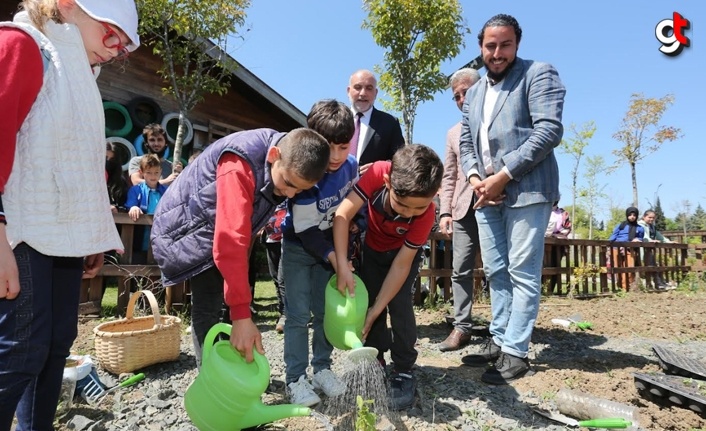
605,51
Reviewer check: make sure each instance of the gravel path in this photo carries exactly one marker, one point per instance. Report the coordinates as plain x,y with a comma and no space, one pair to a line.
450,397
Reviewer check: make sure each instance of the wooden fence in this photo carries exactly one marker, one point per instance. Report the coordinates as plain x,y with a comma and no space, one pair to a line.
580,268
131,270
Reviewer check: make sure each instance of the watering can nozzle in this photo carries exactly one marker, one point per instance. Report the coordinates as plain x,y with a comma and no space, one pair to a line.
361,354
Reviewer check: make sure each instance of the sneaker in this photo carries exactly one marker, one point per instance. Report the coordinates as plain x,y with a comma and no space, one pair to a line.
301,392
506,369
403,387
326,381
490,353
279,327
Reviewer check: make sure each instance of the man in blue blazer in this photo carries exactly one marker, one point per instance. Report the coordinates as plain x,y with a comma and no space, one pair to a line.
511,125
379,134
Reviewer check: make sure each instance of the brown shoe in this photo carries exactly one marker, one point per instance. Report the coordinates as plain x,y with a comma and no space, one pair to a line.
456,340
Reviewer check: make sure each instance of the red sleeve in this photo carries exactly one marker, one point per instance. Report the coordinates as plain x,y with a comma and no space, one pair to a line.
235,194
421,228
20,81
372,179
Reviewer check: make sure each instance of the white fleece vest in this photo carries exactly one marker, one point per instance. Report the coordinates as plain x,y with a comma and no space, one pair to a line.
56,198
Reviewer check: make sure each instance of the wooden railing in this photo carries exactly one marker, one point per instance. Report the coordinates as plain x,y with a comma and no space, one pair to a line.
129,273
581,267
680,235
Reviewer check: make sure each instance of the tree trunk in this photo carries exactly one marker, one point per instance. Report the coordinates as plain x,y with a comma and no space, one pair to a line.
634,185
179,141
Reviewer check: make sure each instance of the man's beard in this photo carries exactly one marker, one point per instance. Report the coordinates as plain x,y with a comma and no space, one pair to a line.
159,154
497,77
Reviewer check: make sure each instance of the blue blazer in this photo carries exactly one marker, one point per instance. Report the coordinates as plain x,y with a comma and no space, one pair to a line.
524,128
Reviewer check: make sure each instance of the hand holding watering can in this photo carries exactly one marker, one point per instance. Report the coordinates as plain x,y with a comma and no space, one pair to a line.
344,318
226,394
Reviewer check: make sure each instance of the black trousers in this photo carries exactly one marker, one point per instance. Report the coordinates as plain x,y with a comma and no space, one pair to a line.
400,340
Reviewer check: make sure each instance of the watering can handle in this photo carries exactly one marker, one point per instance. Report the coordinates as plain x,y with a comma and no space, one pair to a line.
217,329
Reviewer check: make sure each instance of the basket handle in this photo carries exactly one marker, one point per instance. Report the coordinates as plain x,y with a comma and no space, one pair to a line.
153,305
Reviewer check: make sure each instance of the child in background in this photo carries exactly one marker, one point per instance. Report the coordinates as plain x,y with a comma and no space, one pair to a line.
308,257
114,179
627,230
144,197
401,214
272,238
207,219
52,185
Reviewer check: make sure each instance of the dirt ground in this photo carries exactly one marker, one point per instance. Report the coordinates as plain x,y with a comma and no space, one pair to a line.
636,319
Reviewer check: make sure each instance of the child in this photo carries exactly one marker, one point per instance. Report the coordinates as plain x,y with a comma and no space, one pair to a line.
401,214
52,181
308,257
207,219
155,141
143,198
628,230
114,179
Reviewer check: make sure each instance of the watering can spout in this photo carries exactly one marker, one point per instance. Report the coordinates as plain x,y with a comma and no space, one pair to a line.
260,413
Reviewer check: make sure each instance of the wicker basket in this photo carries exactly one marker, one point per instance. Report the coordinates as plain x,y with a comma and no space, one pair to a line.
128,344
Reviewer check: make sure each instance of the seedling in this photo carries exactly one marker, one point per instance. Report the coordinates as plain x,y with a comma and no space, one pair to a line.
365,418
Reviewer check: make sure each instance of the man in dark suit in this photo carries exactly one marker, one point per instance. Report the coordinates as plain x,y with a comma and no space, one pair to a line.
378,134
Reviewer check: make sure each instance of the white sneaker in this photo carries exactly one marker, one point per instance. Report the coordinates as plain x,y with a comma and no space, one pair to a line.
326,381
301,392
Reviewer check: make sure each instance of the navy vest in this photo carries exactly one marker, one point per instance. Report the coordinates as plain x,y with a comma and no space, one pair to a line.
183,227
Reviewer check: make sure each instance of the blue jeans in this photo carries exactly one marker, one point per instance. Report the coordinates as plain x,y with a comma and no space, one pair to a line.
512,245
306,278
37,330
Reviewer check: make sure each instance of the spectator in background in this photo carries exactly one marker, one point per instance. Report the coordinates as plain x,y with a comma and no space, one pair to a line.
559,227
144,197
628,230
115,180
272,237
377,134
155,139
559,222
652,235
457,218
194,154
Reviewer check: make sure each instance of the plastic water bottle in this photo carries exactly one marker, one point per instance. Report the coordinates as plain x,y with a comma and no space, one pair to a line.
584,406
68,387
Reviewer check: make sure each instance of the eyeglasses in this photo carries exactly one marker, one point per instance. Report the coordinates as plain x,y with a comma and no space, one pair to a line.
112,40
461,94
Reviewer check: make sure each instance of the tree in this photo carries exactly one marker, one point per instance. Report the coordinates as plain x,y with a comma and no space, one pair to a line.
190,38
660,220
698,219
417,37
574,147
641,133
593,192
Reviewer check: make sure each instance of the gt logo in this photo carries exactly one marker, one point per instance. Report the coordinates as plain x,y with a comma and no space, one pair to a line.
670,32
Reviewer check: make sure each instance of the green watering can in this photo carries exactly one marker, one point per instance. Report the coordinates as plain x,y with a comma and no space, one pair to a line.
344,318
225,396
